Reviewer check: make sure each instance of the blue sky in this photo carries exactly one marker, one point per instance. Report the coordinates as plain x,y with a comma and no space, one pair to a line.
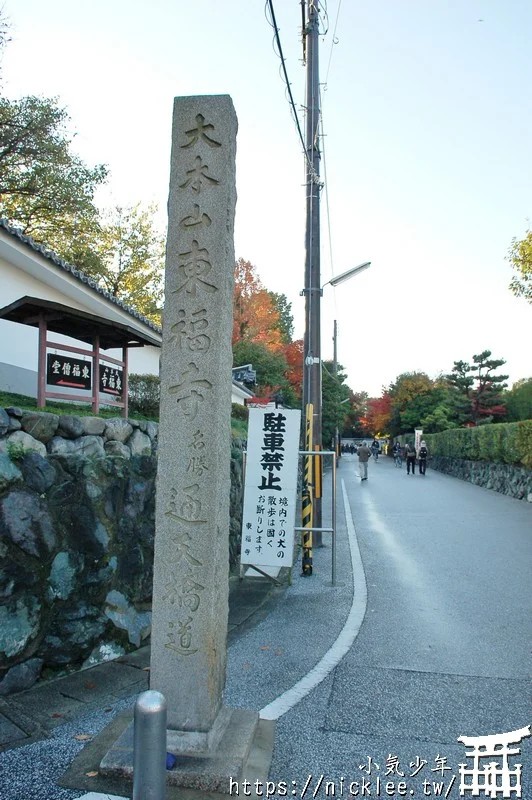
427,124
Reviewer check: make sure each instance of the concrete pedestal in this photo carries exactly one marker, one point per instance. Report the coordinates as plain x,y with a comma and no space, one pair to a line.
244,751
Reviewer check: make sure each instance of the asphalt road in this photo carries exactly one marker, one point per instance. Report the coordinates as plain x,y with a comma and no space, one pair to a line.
443,650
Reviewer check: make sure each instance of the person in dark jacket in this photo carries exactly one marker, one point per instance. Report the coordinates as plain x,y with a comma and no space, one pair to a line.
363,453
410,459
423,455
398,454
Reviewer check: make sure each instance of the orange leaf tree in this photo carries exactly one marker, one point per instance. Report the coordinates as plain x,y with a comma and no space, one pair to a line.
255,318
379,414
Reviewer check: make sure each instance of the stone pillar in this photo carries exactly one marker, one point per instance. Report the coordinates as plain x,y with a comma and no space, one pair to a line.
190,581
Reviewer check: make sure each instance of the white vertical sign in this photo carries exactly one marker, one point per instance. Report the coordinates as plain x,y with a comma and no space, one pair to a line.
418,434
270,489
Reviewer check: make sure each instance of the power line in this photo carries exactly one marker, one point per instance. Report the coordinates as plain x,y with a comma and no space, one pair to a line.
326,193
334,41
273,23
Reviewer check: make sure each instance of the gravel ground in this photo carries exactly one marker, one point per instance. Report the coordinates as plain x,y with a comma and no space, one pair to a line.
29,773
262,663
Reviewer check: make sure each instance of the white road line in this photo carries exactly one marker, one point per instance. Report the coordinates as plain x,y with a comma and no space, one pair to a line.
345,639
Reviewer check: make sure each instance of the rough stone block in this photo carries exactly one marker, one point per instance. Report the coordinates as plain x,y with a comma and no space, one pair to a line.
140,444
24,441
38,473
119,429
40,425
25,520
93,426
70,427
9,473
21,677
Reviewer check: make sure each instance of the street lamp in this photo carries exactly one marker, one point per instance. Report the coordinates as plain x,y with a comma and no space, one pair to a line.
334,282
349,273
312,367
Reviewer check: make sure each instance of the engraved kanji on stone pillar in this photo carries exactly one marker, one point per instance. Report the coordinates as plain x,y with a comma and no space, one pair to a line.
190,582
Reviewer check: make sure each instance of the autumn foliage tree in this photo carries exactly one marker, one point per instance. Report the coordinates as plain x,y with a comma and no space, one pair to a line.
255,316
262,331
293,353
378,415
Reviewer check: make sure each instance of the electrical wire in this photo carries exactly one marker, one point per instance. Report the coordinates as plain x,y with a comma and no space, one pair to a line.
273,23
334,41
325,15
333,376
326,194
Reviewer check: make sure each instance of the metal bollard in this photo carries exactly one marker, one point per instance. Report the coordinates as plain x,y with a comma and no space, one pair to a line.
149,738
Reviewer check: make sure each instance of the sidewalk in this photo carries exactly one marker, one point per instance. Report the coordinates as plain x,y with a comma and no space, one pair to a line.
32,715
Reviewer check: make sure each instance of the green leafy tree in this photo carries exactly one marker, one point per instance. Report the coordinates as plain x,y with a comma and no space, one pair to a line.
335,396
46,189
130,259
520,257
407,387
357,410
433,411
518,401
286,320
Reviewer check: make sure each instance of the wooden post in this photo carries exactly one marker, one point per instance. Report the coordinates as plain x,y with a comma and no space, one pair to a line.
96,373
41,374
125,383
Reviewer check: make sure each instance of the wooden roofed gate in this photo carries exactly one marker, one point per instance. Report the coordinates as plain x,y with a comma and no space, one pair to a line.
102,375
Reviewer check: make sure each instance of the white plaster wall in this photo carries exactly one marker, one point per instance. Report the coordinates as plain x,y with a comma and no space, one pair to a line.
19,343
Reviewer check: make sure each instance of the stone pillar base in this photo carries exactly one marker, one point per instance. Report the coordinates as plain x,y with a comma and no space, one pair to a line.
198,743
241,742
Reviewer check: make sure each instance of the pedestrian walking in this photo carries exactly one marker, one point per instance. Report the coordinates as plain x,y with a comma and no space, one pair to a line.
398,454
423,455
375,447
410,459
364,454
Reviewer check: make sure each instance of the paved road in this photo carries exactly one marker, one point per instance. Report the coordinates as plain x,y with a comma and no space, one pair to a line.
443,650
432,644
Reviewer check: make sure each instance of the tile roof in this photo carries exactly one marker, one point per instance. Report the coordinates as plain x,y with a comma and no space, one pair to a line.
76,273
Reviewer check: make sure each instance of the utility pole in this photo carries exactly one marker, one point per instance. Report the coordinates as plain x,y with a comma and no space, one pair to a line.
312,291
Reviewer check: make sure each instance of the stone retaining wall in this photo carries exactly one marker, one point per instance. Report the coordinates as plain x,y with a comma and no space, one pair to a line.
513,481
77,505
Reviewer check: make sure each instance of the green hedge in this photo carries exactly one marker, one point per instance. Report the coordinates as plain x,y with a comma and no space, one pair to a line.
144,395
239,412
504,443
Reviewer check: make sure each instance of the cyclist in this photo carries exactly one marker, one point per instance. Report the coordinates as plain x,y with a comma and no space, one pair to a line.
375,447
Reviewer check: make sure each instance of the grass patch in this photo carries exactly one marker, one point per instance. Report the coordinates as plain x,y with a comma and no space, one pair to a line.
81,409
239,427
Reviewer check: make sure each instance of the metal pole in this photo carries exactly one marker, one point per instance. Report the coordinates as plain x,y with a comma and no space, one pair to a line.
335,370
306,499
149,745
333,521
312,341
